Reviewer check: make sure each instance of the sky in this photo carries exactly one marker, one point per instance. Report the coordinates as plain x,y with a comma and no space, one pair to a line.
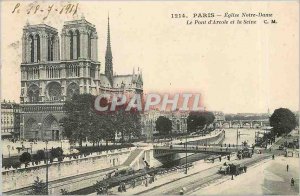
236,68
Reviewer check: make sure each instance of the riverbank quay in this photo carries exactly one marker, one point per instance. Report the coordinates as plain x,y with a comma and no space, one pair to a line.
201,174
269,177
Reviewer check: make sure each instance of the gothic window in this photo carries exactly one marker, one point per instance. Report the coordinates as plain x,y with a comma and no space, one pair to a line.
52,72
33,93
71,45
50,48
89,46
92,72
73,71
54,91
38,51
35,73
31,40
78,43
73,89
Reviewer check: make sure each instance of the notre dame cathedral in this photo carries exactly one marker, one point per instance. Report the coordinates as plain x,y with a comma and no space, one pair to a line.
53,70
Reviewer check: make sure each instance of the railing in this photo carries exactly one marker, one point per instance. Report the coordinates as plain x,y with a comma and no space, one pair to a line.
208,148
53,107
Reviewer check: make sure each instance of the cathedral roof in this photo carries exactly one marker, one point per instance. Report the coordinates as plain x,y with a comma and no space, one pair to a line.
118,81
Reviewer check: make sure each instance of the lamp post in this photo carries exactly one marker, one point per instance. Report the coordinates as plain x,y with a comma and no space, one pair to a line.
8,147
31,146
186,152
237,137
186,149
46,165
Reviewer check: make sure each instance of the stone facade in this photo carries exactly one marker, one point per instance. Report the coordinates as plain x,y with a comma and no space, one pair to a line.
179,122
52,73
10,120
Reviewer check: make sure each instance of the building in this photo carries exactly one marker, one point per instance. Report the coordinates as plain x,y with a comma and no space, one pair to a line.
10,120
179,121
178,118
148,120
53,69
219,116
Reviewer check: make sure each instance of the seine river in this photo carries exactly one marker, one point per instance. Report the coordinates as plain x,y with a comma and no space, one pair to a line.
245,135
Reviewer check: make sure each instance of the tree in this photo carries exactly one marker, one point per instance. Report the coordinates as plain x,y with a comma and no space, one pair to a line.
79,111
56,152
40,155
38,188
283,121
197,121
163,125
25,157
128,123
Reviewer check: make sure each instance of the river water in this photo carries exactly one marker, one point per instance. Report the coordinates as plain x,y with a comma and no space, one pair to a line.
247,135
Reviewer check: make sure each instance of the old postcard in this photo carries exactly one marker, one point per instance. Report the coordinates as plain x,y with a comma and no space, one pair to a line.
149,97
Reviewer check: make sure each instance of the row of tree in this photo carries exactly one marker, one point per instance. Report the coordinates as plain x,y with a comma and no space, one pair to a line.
197,121
40,155
82,121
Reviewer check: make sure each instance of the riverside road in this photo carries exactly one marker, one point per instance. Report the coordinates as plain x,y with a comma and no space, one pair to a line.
200,179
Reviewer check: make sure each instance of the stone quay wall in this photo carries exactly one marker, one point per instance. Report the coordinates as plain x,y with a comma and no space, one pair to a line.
13,179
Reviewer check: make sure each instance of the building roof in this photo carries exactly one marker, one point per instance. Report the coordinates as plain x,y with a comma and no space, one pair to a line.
119,80
8,105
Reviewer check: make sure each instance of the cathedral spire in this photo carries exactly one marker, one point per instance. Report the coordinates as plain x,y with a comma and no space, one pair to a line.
108,56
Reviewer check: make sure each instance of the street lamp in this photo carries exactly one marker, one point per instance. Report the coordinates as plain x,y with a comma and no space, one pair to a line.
186,152
237,137
8,147
186,135
31,146
46,142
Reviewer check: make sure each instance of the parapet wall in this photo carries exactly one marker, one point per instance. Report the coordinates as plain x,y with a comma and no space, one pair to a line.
18,178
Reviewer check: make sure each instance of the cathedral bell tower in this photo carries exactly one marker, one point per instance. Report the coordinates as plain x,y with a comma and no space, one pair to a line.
79,40
108,57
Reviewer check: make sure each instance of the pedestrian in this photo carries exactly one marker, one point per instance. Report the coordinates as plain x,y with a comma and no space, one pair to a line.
273,156
123,187
292,182
245,169
182,190
133,183
287,168
120,188
220,158
146,181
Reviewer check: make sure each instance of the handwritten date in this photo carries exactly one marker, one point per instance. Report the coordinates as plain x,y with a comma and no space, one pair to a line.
70,8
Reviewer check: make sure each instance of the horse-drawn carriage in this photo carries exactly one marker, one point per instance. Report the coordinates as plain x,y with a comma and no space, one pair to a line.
232,169
244,153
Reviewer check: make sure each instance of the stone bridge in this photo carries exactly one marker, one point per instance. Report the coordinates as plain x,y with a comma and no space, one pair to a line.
243,123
